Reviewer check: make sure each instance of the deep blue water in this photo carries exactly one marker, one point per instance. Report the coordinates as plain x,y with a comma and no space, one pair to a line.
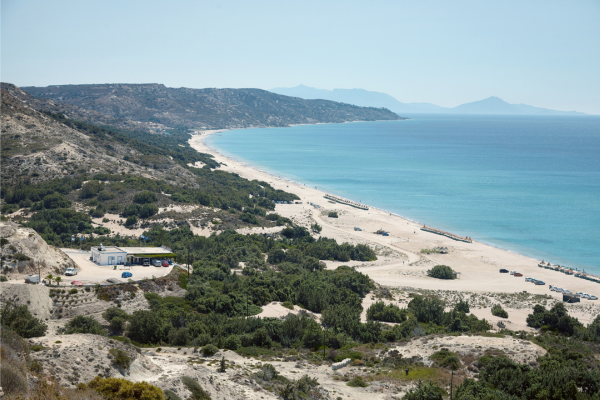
529,184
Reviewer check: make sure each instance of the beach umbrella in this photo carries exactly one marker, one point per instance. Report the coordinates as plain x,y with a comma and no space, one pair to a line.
77,283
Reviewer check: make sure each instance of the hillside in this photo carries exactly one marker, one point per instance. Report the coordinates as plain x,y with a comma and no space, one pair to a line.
65,178
209,108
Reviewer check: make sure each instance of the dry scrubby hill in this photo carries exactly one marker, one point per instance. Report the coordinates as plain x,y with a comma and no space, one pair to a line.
40,148
209,108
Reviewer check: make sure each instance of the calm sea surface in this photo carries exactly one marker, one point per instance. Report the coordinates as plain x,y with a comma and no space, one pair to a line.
528,184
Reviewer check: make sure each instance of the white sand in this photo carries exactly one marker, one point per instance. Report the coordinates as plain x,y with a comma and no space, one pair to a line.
401,264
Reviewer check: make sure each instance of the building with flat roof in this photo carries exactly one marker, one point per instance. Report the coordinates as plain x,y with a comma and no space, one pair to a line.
112,255
108,255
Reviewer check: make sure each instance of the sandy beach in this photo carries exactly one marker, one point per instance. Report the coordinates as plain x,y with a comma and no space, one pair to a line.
401,264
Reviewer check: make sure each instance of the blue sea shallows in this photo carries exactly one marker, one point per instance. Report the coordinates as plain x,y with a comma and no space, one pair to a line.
529,184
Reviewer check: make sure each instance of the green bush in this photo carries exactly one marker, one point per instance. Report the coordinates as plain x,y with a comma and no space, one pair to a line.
233,342
357,381
498,311
144,197
332,214
81,324
441,272
21,321
209,350
114,312
117,324
3,278
120,358
171,395
100,230
425,391
132,220
12,379
446,359
379,311
122,389
197,392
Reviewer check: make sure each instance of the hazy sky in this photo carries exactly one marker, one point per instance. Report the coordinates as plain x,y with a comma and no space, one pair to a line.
545,53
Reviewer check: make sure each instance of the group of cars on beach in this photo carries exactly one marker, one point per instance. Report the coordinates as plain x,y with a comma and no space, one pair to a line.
553,288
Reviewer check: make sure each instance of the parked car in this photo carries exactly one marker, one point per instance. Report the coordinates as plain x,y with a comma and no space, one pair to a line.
592,297
70,272
529,280
513,272
517,274
126,274
157,263
165,263
566,291
538,282
146,263
504,271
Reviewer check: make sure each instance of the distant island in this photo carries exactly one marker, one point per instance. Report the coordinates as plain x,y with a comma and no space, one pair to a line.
366,98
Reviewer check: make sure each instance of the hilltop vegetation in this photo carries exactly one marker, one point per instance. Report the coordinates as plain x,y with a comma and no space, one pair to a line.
205,108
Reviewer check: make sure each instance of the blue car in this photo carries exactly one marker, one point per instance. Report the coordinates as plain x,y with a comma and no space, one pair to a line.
126,275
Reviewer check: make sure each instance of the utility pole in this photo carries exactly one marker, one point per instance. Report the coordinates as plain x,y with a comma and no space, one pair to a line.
323,344
451,380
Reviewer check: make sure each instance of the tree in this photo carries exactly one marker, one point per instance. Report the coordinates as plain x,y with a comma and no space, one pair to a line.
316,228
58,279
144,197
147,327
441,272
498,311
222,365
20,320
81,324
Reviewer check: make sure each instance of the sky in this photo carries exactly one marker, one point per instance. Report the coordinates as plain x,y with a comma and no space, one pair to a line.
544,53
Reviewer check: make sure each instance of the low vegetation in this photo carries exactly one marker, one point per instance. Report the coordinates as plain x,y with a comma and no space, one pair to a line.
441,272
498,311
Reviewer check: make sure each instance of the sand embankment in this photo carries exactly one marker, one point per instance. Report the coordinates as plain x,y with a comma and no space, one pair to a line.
401,262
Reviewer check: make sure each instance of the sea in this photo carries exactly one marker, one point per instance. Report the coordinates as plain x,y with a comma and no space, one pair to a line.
527,184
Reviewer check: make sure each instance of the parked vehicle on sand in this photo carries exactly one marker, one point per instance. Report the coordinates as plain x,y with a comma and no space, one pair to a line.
126,274
70,272
165,263
504,271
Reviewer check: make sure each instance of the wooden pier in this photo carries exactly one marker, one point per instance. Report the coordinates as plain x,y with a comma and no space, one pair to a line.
346,202
465,239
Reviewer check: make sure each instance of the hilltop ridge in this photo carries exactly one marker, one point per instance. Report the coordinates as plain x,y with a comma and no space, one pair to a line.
210,108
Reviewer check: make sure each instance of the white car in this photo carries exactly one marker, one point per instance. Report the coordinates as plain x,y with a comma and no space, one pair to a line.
70,272
566,291
528,280
513,272
592,297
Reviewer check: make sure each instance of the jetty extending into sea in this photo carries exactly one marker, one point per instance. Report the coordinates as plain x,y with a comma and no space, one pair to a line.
465,239
346,202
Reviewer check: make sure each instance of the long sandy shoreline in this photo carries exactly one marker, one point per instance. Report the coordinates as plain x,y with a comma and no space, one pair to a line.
401,262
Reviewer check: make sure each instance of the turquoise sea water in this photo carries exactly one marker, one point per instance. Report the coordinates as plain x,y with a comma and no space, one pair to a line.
529,184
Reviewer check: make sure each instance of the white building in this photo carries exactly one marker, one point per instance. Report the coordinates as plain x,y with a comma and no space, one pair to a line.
108,255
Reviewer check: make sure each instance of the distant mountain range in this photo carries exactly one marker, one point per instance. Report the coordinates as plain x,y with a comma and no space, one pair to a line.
366,98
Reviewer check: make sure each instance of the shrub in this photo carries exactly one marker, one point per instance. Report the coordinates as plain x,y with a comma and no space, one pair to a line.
209,350
117,324
388,313
12,379
144,197
268,372
148,210
498,311
462,306
425,391
288,305
114,312
100,230
120,358
3,278
197,392
332,214
81,324
122,389
20,320
171,395
73,291
104,195
131,220
21,257
441,272
446,359
233,342
357,381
